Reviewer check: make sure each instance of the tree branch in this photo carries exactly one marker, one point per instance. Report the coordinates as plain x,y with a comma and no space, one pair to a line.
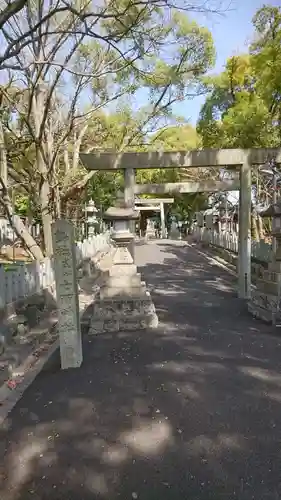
10,10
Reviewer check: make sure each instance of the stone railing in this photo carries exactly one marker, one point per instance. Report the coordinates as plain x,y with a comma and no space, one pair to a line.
8,236
261,251
19,281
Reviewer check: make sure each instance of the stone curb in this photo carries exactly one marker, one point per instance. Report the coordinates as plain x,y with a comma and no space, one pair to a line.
219,261
10,397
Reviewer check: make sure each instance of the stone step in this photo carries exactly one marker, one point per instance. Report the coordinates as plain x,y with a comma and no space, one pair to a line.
126,323
124,281
128,293
122,305
123,270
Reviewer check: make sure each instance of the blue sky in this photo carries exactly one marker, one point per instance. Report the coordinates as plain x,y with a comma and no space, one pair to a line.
232,33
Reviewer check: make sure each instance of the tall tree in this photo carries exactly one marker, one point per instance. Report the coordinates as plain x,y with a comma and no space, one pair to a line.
266,61
243,108
80,61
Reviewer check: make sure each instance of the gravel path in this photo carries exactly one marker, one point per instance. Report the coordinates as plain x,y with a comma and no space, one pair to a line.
191,411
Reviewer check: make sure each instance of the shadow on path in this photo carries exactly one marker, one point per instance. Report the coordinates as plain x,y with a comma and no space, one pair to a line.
190,411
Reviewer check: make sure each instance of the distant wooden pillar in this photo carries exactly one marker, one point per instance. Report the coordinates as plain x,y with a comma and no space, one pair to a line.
244,240
129,197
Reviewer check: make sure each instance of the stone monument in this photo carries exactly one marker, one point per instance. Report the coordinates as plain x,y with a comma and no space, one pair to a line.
123,302
174,231
265,298
150,230
67,294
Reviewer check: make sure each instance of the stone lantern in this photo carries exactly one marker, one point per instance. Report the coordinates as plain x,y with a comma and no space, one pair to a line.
223,216
265,299
121,216
174,230
91,218
150,230
123,302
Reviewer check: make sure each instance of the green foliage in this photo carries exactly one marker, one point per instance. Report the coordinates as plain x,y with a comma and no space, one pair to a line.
243,108
21,204
266,58
103,189
100,65
249,124
24,206
149,49
104,185
179,138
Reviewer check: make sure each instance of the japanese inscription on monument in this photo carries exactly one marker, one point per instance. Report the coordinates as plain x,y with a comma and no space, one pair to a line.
67,294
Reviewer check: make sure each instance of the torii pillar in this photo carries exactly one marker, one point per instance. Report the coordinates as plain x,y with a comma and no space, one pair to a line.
244,236
129,198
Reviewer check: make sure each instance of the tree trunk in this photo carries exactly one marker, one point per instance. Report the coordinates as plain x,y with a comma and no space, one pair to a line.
260,227
46,217
15,221
19,227
3,157
57,203
45,201
38,107
254,228
28,240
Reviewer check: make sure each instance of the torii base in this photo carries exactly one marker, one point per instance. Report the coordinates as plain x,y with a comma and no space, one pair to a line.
265,298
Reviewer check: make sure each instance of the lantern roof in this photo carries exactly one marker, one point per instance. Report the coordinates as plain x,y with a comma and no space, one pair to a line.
121,213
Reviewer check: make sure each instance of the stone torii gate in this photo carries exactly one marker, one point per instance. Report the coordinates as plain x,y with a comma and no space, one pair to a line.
241,159
154,204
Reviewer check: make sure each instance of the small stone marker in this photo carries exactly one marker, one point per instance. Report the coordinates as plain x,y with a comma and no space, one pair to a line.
67,294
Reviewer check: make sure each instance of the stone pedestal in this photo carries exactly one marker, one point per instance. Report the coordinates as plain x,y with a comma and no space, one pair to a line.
150,230
265,298
123,302
174,231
